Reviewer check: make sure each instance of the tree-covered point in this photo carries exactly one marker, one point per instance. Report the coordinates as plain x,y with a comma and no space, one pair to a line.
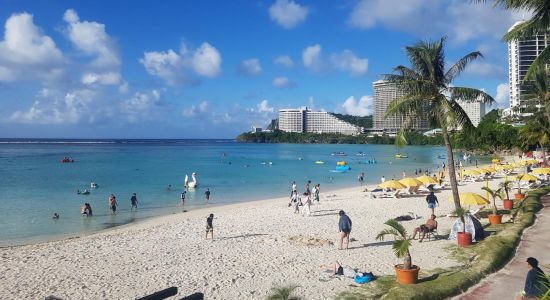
365,122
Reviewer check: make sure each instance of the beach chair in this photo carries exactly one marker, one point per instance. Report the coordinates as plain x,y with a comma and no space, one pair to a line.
432,234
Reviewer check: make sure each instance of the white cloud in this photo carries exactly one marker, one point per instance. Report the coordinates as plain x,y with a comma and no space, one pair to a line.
282,82
361,107
284,60
26,53
263,107
460,20
486,69
92,39
288,14
311,57
193,110
502,96
347,61
107,78
175,68
141,105
250,67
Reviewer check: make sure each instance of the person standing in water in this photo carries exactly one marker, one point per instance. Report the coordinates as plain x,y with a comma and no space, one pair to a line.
210,226
207,195
182,198
133,201
112,203
361,177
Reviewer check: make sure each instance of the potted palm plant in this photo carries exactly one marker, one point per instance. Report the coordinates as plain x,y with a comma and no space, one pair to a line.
463,238
406,273
519,196
507,203
495,218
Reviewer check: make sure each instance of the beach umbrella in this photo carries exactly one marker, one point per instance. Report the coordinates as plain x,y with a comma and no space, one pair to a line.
526,177
391,184
471,172
426,179
471,199
541,171
487,170
532,161
408,182
495,160
503,167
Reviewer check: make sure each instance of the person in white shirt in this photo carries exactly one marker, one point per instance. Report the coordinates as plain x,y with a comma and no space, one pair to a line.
306,203
383,179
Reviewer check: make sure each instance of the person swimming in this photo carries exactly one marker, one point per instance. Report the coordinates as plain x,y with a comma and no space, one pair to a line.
55,216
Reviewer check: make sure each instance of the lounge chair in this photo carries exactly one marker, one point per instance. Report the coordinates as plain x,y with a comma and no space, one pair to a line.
432,234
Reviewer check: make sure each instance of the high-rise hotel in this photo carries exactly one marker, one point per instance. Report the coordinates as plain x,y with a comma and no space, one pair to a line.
521,54
384,93
304,120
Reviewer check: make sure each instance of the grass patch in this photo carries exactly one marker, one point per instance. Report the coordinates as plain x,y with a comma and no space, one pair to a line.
477,261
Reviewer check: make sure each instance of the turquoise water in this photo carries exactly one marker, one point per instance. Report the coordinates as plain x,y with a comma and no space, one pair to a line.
34,184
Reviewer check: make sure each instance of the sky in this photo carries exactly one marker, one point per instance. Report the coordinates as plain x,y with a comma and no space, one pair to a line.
212,69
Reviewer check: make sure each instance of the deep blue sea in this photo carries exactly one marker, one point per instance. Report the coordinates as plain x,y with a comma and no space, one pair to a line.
34,183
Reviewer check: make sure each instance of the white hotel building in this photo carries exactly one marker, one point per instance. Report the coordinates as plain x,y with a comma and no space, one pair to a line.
474,110
521,54
304,120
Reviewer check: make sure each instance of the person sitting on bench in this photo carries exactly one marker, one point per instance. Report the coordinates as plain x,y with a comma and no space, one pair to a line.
430,225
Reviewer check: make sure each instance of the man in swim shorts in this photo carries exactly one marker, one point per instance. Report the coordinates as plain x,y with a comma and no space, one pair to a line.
112,203
133,201
210,226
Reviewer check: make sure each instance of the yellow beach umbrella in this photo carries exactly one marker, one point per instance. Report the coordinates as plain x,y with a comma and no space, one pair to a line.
532,161
471,199
426,179
526,177
517,164
541,171
495,160
503,167
408,182
391,184
471,172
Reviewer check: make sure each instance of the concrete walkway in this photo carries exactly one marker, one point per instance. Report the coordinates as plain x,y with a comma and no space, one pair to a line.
509,281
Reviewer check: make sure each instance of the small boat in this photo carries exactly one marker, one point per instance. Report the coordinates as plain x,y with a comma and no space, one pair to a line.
319,162
94,185
342,166
441,156
360,153
401,156
339,153
84,192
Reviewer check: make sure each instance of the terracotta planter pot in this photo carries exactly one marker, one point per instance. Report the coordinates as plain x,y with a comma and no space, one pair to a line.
495,219
508,204
406,276
519,196
464,239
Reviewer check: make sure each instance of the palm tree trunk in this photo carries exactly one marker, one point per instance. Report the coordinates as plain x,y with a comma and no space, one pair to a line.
452,173
407,265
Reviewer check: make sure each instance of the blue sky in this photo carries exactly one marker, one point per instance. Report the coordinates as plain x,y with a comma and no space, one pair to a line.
211,69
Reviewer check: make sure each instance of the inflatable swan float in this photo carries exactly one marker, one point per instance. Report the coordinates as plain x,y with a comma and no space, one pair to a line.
192,184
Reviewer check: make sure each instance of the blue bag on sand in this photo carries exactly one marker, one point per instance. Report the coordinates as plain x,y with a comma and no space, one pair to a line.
367,277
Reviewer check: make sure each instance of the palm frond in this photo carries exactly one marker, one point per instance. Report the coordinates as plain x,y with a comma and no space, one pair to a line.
382,234
470,95
398,227
460,65
401,248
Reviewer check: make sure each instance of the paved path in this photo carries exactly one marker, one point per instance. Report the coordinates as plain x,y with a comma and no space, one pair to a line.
506,283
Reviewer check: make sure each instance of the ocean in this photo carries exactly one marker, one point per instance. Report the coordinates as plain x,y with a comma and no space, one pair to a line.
34,184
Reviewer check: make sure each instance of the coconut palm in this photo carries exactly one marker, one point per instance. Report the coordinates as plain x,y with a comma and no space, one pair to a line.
428,92
536,132
539,23
506,186
539,91
401,244
283,293
494,194
400,140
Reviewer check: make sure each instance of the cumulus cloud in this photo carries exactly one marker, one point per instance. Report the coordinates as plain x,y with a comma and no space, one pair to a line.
288,14
26,53
502,96
284,60
179,68
361,107
346,61
282,82
263,107
250,67
141,105
195,110
435,17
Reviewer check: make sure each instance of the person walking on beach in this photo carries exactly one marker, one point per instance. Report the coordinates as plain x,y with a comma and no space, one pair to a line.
133,201
207,195
112,203
182,198
308,189
317,190
293,188
344,227
295,200
431,199
536,283
306,203
361,177
210,226
383,179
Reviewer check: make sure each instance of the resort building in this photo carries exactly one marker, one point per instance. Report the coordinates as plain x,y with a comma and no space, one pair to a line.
384,93
304,120
521,54
474,110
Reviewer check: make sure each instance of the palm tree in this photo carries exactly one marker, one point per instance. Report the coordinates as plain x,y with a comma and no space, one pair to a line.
539,23
539,90
506,186
401,244
400,140
536,132
428,92
494,194
283,293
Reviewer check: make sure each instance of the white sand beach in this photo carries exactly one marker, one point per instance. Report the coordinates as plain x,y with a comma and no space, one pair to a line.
257,246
